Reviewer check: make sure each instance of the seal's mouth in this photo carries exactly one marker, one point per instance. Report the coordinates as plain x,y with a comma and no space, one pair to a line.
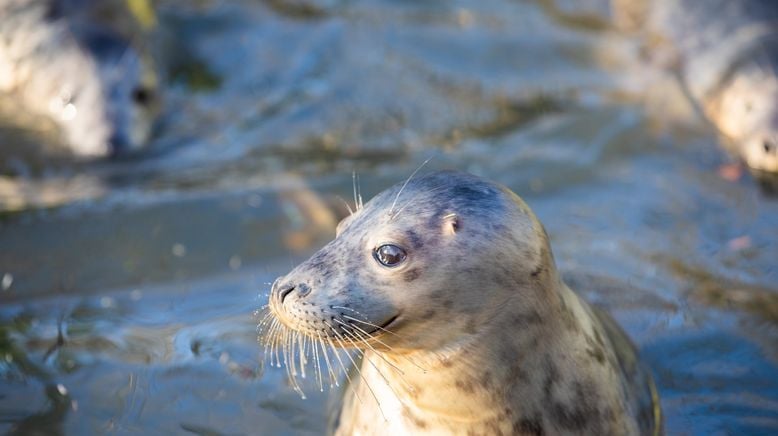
384,328
390,321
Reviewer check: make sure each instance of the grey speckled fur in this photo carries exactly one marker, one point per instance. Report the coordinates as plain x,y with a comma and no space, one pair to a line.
59,62
486,337
726,54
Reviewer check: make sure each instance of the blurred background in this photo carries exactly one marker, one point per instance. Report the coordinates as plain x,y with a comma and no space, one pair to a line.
128,286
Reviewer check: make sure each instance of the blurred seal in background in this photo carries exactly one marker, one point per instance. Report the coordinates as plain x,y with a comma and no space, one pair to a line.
725,53
79,68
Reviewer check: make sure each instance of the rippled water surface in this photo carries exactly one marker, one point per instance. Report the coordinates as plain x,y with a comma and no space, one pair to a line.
128,288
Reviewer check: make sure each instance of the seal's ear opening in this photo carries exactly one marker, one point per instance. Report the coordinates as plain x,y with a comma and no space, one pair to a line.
451,224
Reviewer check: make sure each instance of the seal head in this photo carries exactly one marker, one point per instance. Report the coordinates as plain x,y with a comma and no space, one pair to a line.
110,109
59,62
393,263
745,109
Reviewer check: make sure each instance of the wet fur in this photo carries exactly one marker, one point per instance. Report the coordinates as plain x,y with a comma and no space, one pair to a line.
488,339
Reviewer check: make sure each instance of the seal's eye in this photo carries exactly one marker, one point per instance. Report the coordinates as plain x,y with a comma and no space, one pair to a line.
389,255
142,96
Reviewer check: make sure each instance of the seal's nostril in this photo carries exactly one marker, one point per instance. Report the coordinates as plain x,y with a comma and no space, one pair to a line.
284,291
768,146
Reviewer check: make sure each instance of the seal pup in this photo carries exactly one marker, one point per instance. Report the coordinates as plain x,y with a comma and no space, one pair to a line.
446,285
726,55
60,62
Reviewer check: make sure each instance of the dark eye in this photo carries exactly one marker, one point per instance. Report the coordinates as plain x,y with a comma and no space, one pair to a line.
142,96
389,255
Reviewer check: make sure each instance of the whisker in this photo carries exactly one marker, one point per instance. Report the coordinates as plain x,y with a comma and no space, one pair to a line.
354,187
351,318
267,338
389,384
406,183
264,322
365,335
289,373
343,367
303,360
359,193
411,361
271,335
264,310
276,345
285,349
318,367
265,327
290,351
333,378
364,380
277,340
410,200
380,355
374,325
353,335
345,203
369,336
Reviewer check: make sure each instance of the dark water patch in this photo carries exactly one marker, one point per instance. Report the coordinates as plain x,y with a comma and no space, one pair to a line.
696,366
135,363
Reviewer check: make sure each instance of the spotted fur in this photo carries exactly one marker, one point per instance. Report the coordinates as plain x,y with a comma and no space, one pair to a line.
481,336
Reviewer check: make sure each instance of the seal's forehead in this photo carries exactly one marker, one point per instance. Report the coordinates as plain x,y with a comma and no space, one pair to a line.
440,192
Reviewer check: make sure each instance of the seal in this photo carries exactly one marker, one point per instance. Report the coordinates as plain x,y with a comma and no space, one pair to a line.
726,55
64,61
447,286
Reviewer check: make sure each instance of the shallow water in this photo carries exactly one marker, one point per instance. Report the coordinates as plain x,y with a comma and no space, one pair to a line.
149,271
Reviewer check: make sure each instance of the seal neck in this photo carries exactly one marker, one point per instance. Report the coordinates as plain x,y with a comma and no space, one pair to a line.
467,384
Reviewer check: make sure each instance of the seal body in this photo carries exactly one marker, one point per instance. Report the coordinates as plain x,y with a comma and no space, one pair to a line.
72,62
448,287
726,54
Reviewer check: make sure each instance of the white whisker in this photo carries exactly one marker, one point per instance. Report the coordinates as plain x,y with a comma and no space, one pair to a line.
364,380
410,200
302,356
353,335
351,318
343,366
406,183
318,366
333,378
354,187
345,203
359,194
